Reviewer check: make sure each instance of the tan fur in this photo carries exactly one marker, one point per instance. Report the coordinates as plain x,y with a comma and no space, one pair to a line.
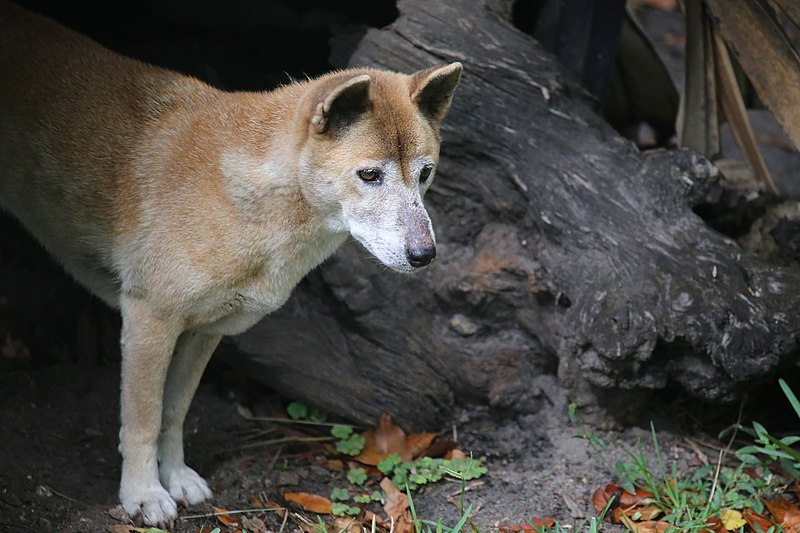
197,211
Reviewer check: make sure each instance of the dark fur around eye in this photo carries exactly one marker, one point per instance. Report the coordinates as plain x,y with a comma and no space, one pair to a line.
425,173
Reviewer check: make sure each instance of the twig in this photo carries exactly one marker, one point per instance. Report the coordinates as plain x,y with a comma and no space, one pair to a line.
283,524
290,421
238,511
54,491
716,477
274,441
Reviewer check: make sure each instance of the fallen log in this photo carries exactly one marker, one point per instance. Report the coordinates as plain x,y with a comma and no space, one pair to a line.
562,250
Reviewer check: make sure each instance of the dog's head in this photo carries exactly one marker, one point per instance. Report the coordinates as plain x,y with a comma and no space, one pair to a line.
370,154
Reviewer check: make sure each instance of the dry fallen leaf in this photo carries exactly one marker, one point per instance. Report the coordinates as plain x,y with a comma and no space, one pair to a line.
396,501
731,519
455,453
756,522
346,525
253,525
648,526
224,517
385,439
418,443
786,513
310,502
638,512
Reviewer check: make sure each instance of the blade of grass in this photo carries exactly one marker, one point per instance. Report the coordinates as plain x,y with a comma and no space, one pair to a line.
790,395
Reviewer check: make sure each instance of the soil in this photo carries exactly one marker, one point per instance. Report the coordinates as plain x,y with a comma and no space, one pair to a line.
60,465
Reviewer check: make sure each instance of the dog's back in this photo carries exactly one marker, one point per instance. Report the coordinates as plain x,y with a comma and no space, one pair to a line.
71,115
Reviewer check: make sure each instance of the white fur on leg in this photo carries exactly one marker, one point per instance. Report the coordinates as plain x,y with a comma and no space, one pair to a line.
184,484
149,501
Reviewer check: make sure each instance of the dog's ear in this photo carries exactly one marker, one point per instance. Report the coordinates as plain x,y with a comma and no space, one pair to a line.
432,90
342,105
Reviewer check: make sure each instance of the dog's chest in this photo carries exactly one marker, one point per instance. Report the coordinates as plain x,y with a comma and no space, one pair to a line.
234,310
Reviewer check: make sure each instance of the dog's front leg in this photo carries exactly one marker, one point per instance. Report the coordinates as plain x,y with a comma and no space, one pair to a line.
148,340
191,356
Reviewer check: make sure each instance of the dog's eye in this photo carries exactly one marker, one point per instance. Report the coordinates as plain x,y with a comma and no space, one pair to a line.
425,173
370,175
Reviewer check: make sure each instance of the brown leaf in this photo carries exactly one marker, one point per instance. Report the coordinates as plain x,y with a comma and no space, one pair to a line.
310,502
224,517
455,454
441,446
396,501
418,443
601,496
756,521
640,497
281,510
786,513
385,439
638,512
714,525
254,525
349,525
335,465
369,516
648,526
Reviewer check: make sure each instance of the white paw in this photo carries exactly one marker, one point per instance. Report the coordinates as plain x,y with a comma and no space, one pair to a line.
185,485
152,504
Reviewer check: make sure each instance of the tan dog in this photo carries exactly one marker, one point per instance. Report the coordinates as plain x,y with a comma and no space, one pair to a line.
196,211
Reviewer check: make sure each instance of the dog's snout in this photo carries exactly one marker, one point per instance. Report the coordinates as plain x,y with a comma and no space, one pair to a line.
421,256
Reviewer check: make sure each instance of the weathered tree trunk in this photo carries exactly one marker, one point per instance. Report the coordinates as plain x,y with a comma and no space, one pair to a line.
562,249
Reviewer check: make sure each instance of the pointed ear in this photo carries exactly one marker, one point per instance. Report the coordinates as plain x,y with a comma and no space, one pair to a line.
342,105
432,90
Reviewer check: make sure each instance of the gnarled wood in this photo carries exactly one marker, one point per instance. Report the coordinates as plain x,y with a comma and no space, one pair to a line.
562,249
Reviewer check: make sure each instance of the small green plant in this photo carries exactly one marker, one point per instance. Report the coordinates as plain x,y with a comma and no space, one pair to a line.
340,494
426,470
348,443
343,509
357,476
300,411
773,449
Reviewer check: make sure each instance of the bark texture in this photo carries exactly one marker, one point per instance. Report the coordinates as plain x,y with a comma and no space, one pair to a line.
561,249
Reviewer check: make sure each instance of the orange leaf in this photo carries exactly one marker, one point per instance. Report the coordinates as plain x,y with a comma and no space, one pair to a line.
645,512
756,521
785,513
640,496
714,524
382,441
648,526
539,522
455,454
310,502
601,496
418,443
224,517
335,465
396,501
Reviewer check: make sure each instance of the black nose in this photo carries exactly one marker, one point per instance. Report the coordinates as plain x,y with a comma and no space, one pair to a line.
419,257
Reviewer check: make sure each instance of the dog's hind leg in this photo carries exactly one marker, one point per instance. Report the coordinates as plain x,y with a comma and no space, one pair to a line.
192,353
148,340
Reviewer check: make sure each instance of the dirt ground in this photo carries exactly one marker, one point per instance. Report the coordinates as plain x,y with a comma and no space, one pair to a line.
60,465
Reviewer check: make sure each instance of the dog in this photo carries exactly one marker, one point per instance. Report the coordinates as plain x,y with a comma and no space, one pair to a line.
196,211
